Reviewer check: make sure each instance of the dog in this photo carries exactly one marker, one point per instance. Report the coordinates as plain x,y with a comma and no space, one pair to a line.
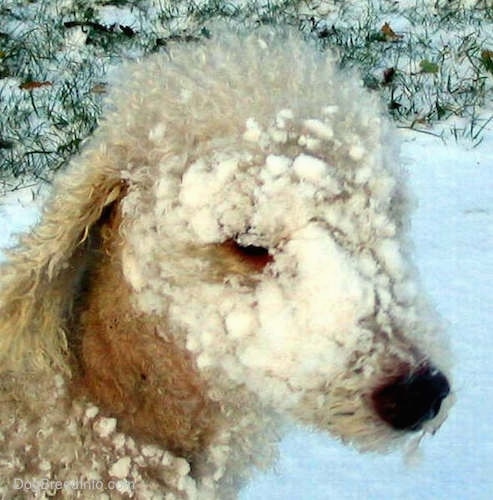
228,254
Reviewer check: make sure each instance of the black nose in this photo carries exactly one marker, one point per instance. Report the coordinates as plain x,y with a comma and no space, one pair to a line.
409,401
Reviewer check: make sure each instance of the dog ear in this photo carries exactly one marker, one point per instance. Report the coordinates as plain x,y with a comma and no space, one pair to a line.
38,280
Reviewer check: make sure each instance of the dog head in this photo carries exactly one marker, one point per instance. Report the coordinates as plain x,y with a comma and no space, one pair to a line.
275,243
262,225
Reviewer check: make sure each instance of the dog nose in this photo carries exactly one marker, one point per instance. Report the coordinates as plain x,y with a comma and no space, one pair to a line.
409,401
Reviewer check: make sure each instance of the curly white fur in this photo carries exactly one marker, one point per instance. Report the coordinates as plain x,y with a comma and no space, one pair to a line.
254,139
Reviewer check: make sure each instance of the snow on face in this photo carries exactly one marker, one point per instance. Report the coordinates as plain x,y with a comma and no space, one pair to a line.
292,326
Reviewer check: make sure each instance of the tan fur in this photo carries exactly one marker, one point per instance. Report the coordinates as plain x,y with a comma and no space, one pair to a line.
128,365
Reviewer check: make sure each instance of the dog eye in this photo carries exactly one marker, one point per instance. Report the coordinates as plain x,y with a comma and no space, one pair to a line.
255,256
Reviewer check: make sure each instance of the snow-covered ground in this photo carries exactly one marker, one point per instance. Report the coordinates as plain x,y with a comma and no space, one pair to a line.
453,235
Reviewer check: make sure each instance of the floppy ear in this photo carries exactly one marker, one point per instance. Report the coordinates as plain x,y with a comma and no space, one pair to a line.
38,281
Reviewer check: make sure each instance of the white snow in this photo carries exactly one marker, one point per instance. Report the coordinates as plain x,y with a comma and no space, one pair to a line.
121,468
105,426
319,128
309,168
19,210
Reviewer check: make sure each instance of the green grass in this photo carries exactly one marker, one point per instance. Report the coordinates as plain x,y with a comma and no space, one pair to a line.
432,67
426,73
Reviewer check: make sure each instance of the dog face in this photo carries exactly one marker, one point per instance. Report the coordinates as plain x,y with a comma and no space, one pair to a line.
283,268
